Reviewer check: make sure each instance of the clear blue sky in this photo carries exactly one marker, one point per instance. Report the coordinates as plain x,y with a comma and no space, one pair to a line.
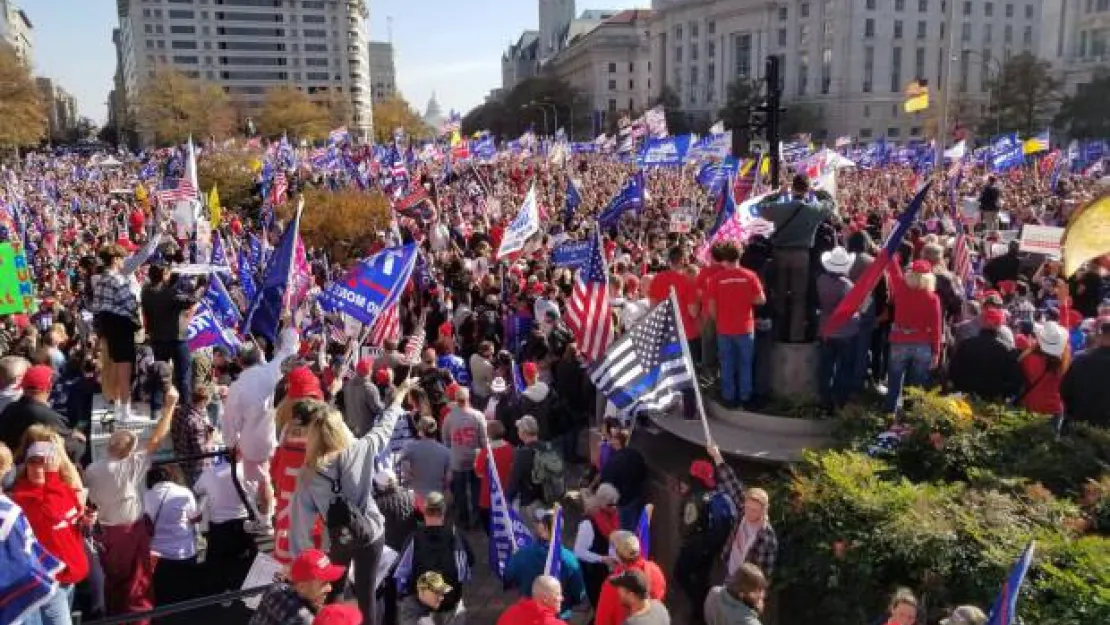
451,47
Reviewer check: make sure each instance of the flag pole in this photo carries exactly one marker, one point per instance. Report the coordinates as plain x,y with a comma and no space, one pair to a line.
296,225
689,359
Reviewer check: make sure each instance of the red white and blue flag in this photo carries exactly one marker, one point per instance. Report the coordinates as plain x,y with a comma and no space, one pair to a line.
589,315
855,298
1005,605
281,187
183,191
386,328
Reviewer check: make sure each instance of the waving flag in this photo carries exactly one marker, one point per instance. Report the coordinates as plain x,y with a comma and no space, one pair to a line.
387,327
647,368
215,211
726,210
526,224
855,298
29,570
1005,605
338,136
554,563
573,201
247,273
643,531
181,191
507,532
714,176
280,188
205,330
270,301
374,284
589,315
631,196
220,303
1040,142
219,256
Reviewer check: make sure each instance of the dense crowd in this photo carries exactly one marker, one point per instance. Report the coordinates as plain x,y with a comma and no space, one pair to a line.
500,390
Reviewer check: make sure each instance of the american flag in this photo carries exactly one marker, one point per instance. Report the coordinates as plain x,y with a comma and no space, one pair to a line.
386,327
588,314
281,186
647,368
183,191
339,135
415,344
961,258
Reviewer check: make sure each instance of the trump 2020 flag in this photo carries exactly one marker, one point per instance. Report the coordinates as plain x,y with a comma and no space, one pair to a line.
643,532
573,201
507,531
631,196
220,303
855,298
205,330
1005,605
247,272
270,301
526,224
374,284
554,563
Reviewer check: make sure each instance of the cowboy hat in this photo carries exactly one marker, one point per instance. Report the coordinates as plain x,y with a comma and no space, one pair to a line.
1052,339
838,260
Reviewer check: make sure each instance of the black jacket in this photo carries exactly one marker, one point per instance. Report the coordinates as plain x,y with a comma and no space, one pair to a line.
627,471
24,413
988,198
441,549
1084,389
984,367
520,481
1005,267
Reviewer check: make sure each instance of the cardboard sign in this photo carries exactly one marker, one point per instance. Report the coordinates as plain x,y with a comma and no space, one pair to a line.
16,293
1041,239
682,220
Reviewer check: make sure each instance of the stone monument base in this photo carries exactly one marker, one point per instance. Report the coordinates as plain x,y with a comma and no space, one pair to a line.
794,371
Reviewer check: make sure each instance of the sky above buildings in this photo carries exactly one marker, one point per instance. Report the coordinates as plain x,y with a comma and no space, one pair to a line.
449,47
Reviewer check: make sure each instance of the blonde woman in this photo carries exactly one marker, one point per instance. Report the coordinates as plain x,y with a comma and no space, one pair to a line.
339,471
917,333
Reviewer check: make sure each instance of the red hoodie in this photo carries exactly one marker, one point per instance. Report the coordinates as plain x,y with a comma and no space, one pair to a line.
917,314
528,611
54,514
609,608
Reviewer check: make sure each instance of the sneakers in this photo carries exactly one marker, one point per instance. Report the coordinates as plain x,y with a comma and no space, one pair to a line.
259,527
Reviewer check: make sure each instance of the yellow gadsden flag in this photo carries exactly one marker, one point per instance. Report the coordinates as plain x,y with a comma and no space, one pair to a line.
917,97
140,194
1087,235
215,212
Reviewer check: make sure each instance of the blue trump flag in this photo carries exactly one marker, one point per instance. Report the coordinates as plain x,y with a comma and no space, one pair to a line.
1006,152
573,254
266,309
219,256
714,176
574,200
643,532
1004,608
631,196
205,330
726,208
247,272
507,532
220,303
374,284
554,563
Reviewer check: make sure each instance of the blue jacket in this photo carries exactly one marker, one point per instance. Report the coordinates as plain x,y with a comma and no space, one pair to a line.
527,564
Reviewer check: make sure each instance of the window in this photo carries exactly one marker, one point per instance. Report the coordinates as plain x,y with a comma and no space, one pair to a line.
315,33
868,68
693,84
710,78
803,9
1027,36
867,110
897,29
922,6
988,32
1028,11
965,69
315,47
988,9
922,29
864,133
899,5
985,69
743,52
711,49
256,75
158,29
693,30
316,75
186,60
803,35
612,68
254,32
803,72
967,8
915,131
782,14
149,43
612,85
711,28
232,16
161,43
895,69
179,14
678,32
183,30
314,19
252,46
250,3
919,64
612,106
1008,34
893,131
782,37
148,29
965,31
694,51
826,70
869,27
252,61
316,62
678,54
631,84
631,68
146,12
1009,10
870,5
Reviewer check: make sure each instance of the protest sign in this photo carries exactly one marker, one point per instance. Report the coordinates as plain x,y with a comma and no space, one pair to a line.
682,219
15,279
1041,239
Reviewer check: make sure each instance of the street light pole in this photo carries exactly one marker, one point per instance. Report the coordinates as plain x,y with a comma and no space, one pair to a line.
542,109
946,83
992,63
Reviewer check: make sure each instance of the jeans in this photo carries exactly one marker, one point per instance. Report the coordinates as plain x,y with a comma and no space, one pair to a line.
791,292
737,352
366,561
860,363
837,368
629,514
178,353
466,503
55,610
910,361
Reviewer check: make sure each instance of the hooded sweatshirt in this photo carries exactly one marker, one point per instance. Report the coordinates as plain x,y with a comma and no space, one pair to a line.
54,513
721,608
538,400
609,608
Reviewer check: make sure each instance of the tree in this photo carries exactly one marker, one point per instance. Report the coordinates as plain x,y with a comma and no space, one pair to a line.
1025,96
232,173
741,96
537,101
677,121
288,110
395,112
171,107
800,119
1084,114
339,109
343,223
22,113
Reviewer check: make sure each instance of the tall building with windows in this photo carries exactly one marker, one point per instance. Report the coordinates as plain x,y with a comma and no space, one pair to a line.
61,107
850,61
16,31
250,46
1077,39
383,71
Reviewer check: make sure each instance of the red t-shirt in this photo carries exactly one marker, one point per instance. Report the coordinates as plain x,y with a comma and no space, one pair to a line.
734,289
703,278
686,291
502,462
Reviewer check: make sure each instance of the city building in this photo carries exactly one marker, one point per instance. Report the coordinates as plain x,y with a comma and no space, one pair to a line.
555,18
16,31
850,60
521,60
1077,39
383,72
433,115
251,46
61,107
609,64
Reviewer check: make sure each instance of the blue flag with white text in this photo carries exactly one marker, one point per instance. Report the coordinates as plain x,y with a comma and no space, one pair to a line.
631,197
554,564
220,303
374,284
507,532
266,309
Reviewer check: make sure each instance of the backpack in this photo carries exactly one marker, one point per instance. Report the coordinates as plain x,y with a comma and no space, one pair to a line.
549,473
348,528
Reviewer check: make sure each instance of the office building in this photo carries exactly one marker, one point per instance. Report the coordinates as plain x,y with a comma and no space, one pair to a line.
383,72
61,107
521,60
251,46
16,31
1077,39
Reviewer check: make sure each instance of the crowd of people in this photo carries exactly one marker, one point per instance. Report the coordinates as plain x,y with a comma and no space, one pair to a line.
288,439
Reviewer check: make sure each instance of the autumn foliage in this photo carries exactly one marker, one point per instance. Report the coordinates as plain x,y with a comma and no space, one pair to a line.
22,111
173,107
231,171
287,110
343,223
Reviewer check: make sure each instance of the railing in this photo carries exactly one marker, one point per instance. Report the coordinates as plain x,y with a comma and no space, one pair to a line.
175,608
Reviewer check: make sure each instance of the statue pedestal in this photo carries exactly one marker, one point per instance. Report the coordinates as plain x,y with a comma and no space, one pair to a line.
794,369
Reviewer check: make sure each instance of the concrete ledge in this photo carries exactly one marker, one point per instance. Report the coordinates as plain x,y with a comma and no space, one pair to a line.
741,442
769,424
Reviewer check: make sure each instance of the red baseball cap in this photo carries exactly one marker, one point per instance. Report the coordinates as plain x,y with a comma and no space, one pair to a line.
338,614
304,384
314,565
364,367
994,317
381,376
38,378
529,370
921,266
